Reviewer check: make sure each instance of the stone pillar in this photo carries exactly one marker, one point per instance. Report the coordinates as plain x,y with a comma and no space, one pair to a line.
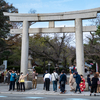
79,46
25,47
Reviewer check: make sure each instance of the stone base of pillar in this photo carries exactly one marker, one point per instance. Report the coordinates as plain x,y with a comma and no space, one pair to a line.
28,85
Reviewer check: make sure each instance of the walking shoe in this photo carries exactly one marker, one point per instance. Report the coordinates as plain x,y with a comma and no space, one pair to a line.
61,92
65,91
79,93
94,94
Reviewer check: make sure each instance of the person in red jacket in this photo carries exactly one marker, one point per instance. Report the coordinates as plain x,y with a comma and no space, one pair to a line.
82,84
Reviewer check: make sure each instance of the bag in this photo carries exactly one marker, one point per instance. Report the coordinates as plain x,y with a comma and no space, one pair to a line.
35,77
22,80
56,79
62,82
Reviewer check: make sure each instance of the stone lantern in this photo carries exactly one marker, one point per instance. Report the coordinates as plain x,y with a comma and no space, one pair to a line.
29,62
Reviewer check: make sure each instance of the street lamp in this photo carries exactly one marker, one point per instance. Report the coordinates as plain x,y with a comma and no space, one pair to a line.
49,67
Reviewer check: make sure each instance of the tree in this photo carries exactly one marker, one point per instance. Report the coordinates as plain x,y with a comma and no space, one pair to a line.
50,49
5,26
4,21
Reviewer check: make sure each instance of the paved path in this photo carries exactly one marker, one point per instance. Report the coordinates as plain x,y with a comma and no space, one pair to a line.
4,89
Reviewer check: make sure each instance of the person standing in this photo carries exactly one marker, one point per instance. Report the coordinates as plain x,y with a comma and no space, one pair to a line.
78,80
62,82
12,81
89,81
98,87
54,78
5,75
34,77
22,81
82,84
71,68
47,80
71,81
43,80
94,84
8,79
17,81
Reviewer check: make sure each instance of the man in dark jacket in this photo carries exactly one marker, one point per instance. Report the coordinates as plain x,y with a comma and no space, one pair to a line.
62,82
78,80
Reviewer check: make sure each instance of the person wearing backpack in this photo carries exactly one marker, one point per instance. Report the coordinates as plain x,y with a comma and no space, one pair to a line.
78,80
54,78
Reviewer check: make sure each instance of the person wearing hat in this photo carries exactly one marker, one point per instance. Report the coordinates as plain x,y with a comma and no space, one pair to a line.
78,80
21,81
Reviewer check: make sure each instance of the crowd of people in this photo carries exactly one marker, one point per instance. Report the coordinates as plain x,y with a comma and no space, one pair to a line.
11,77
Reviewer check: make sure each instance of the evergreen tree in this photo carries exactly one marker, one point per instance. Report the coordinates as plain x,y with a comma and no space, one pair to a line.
4,21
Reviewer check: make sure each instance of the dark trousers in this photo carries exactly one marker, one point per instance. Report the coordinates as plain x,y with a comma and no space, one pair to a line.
77,87
18,85
22,84
94,89
44,86
62,87
12,84
47,83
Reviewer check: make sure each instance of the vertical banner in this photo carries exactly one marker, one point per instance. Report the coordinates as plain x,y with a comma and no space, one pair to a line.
96,67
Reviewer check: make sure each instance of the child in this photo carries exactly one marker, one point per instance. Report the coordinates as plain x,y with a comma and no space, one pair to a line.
82,84
89,81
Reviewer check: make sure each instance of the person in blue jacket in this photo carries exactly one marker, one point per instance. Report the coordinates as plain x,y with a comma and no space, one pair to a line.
12,81
62,82
78,80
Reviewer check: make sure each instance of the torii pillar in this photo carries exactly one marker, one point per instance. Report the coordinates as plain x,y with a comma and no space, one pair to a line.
25,47
79,46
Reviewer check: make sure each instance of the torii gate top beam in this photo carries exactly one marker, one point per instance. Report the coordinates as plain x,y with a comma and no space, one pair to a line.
83,14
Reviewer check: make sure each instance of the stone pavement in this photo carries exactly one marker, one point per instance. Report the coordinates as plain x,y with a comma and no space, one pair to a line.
4,90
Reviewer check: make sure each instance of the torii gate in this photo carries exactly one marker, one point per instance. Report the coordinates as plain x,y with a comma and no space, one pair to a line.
78,16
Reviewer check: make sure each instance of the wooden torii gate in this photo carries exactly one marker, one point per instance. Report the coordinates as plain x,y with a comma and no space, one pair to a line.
78,16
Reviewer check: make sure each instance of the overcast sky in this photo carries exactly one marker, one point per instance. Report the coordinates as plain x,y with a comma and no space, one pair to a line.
54,6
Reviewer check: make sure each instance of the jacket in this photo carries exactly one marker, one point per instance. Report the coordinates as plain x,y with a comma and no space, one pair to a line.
54,76
71,78
21,78
62,78
17,78
12,77
78,78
